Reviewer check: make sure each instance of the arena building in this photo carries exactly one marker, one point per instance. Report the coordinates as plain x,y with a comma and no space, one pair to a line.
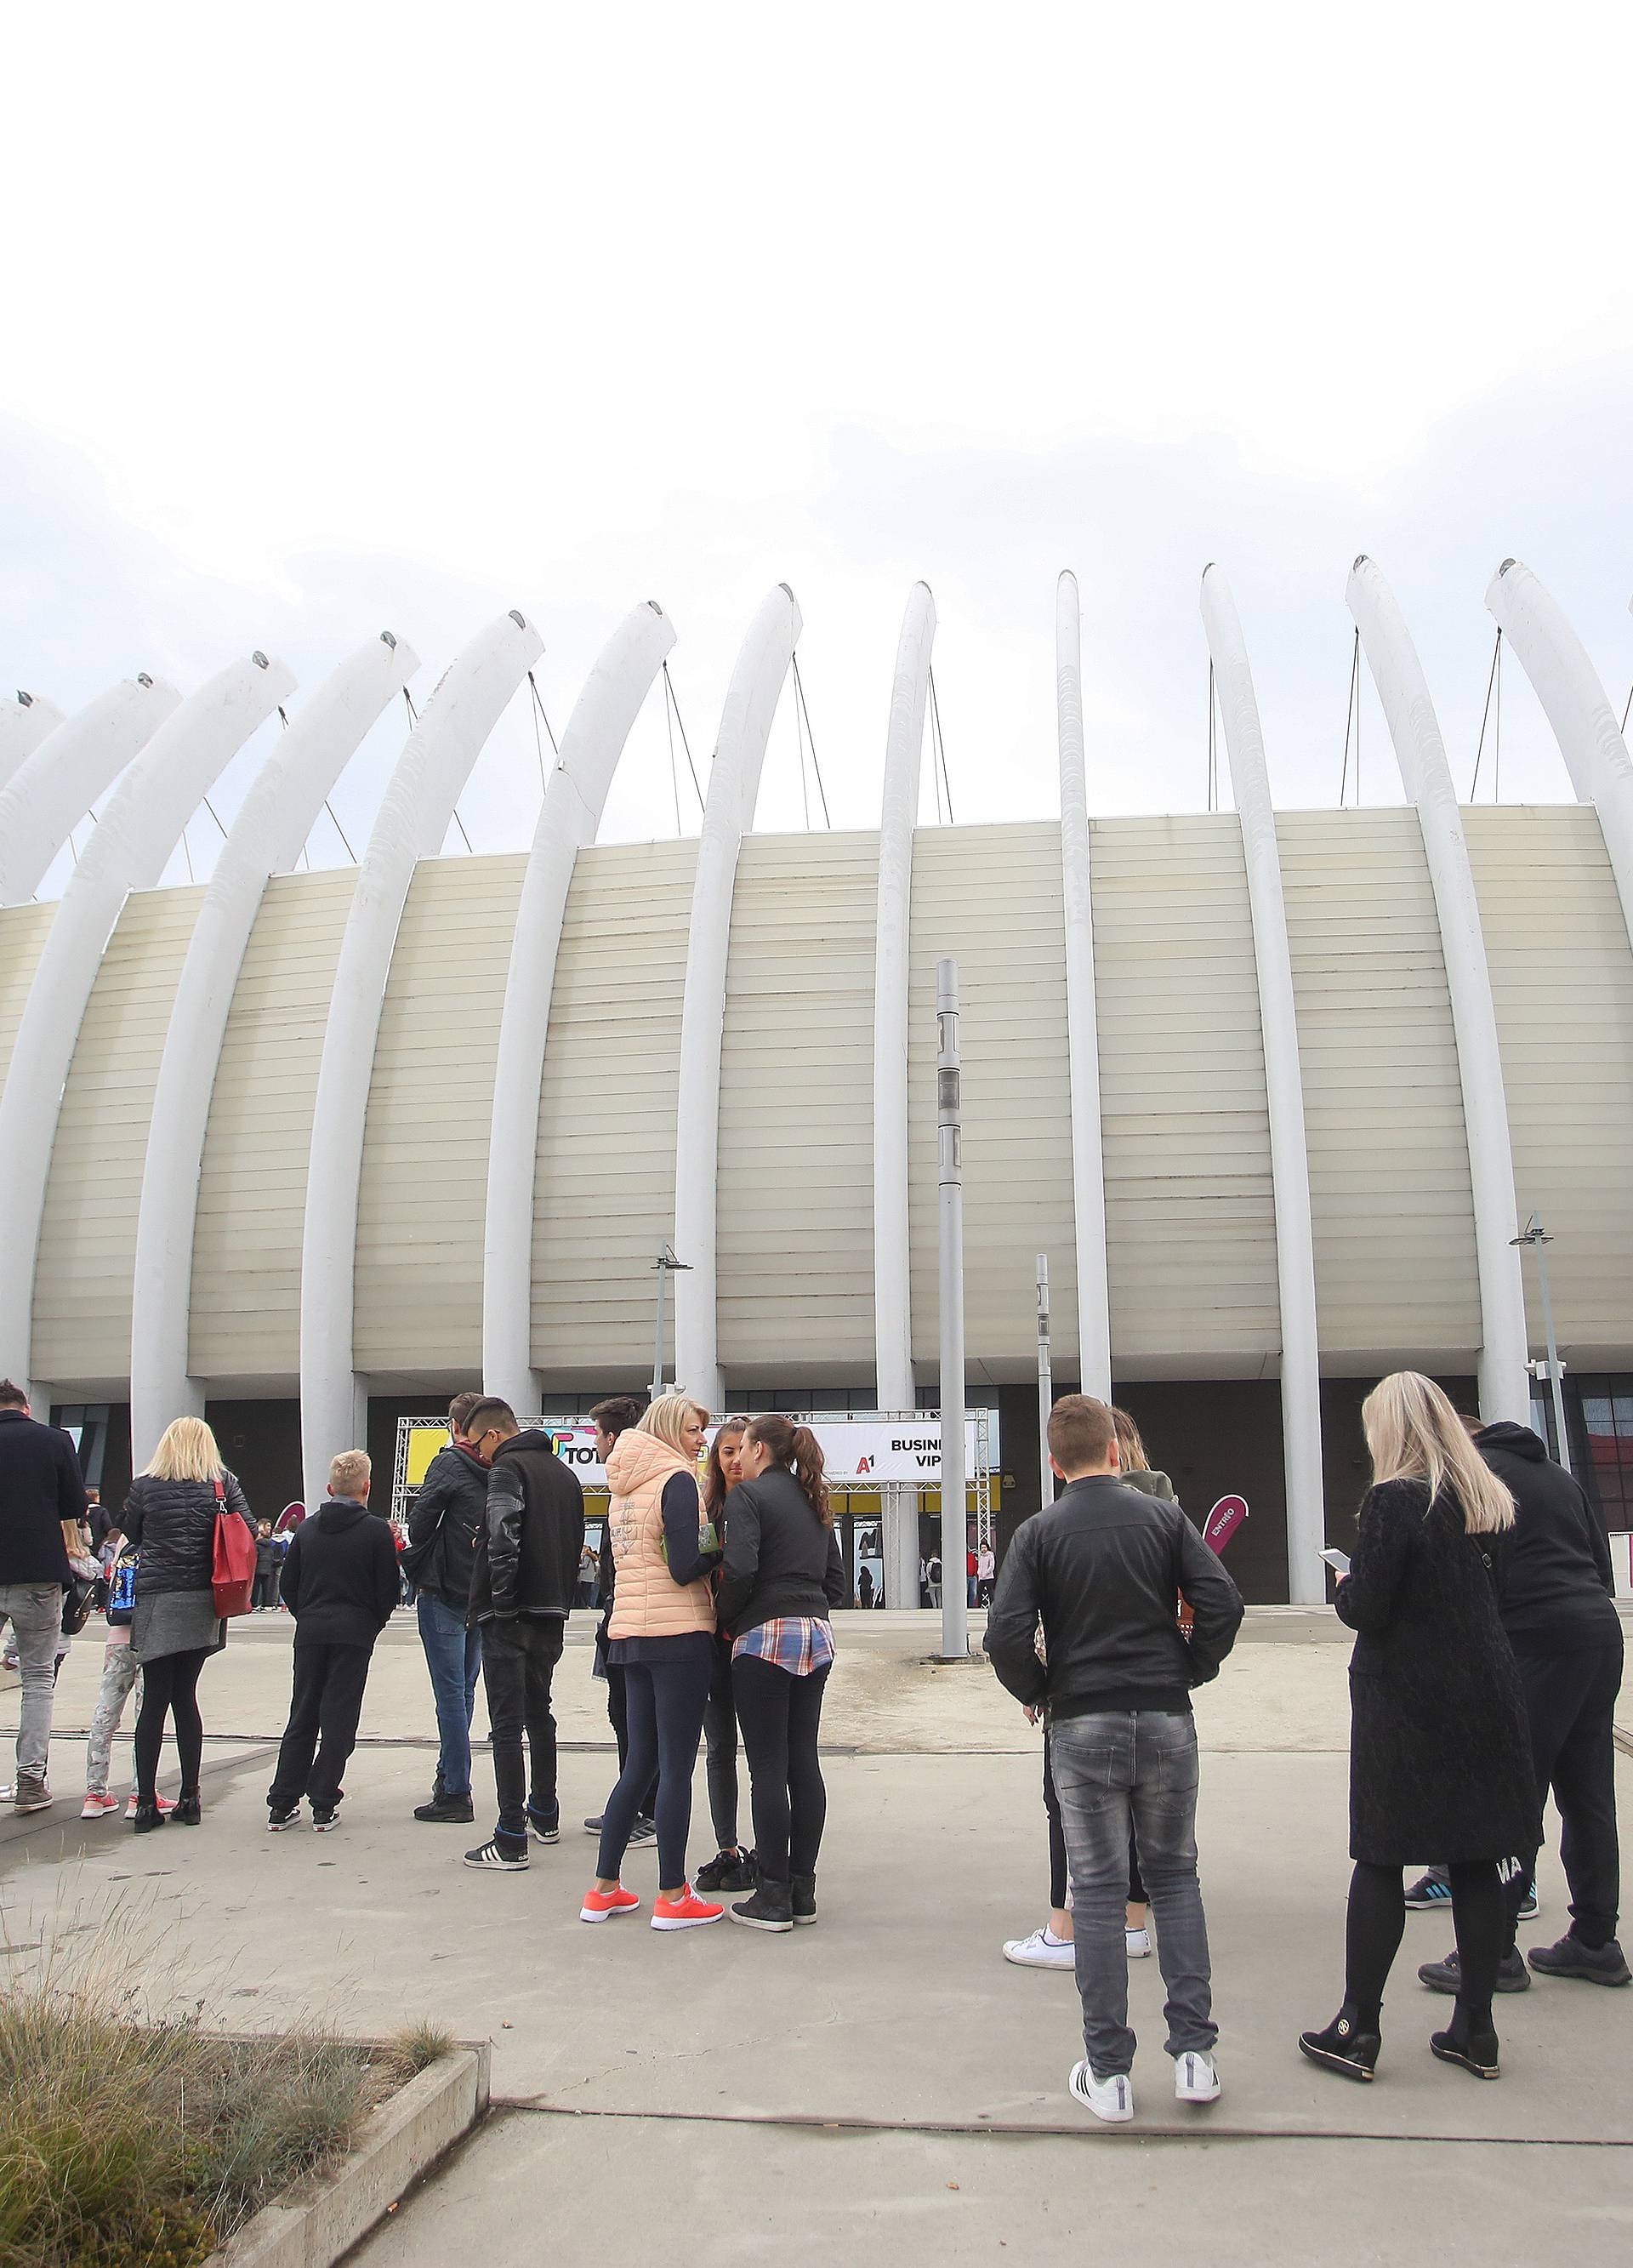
1274,1091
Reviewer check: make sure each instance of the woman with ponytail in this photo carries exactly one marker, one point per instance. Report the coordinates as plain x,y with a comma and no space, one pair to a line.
780,1578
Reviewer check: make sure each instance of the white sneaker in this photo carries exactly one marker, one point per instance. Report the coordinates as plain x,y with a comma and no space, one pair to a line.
1111,2099
1041,1950
1136,1943
1196,2079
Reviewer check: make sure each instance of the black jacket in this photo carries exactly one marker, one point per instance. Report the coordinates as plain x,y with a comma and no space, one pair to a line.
39,1487
449,1510
173,1523
340,1579
1103,1566
1440,1748
527,1547
1554,1585
779,1557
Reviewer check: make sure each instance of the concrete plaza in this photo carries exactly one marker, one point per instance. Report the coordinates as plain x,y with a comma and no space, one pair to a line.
884,2079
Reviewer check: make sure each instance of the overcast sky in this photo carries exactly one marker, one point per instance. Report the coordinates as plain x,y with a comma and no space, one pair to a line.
329,320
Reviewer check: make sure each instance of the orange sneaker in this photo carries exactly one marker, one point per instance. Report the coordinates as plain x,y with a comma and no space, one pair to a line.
688,1911
606,1905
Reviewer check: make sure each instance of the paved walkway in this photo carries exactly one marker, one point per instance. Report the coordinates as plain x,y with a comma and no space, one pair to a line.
885,2078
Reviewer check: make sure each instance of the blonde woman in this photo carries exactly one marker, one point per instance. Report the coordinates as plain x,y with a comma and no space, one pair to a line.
170,1519
1441,1755
662,1636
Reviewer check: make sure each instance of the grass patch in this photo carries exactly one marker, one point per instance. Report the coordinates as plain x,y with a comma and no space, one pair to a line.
127,2143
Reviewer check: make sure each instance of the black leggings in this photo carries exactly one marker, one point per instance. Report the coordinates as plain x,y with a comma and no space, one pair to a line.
170,1688
665,1701
1059,1879
1378,1918
780,1715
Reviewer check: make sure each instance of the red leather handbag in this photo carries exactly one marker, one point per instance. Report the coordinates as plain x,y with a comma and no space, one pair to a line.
232,1575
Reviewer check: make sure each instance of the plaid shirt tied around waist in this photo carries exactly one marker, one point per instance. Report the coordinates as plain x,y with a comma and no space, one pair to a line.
798,1643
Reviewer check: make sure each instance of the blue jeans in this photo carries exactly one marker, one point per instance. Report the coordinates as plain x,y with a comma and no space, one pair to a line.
453,1656
1113,1771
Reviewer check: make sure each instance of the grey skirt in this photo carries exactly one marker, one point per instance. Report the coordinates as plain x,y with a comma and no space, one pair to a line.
175,1622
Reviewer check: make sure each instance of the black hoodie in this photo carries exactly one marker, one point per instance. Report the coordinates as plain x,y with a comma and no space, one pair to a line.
1555,1584
340,1579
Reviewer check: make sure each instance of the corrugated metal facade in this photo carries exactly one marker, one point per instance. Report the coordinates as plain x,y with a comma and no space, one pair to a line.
424,1189
605,1192
1391,1205
88,1238
251,1193
1190,1233
1562,978
1191,1240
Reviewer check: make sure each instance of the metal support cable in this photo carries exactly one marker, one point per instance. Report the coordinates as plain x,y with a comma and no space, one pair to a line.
459,823
935,717
538,740
675,772
340,831
803,707
1352,709
1494,682
1627,707
673,700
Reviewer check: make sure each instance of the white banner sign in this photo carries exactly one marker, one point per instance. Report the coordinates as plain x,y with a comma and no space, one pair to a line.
859,1452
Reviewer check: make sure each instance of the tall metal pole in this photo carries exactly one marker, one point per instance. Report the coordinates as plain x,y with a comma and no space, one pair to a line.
949,1174
657,1344
1534,1235
666,1266
1046,1385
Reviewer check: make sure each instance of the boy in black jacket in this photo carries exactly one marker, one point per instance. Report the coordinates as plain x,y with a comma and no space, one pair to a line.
340,1583
524,1568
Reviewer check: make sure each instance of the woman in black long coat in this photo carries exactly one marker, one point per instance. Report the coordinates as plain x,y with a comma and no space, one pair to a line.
1439,1753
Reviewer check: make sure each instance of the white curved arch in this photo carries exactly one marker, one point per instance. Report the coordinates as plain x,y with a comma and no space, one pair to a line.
904,755
23,723
1082,1046
139,829
728,813
592,745
1284,1080
1584,723
413,819
49,795
1414,728
274,821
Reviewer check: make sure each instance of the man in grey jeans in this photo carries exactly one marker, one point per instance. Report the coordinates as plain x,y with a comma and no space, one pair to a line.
1102,1570
42,1499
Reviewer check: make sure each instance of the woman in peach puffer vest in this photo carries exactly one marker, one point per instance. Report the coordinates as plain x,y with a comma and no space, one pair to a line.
662,1636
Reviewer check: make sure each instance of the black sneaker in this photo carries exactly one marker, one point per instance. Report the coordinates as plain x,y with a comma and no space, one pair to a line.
804,1886
493,1859
277,1821
727,1870
447,1811
545,1827
771,1907
644,1831
1342,2047
594,1826
1601,1964
324,1820
1429,1890
1445,1977
1472,2051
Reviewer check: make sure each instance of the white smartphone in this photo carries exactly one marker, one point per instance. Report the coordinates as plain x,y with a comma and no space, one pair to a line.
1338,1561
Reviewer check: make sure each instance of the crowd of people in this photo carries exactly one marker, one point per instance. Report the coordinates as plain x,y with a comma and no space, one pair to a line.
1487,1663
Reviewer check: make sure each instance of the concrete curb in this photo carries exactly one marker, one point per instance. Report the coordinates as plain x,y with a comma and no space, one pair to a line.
397,2144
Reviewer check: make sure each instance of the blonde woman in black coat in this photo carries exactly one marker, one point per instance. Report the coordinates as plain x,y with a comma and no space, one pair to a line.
1439,1754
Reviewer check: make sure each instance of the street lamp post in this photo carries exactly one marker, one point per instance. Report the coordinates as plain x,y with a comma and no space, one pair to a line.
1046,1385
1533,1234
949,1174
666,1266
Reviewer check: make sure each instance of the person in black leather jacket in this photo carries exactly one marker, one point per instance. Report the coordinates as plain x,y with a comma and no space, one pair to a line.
523,1568
444,1521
